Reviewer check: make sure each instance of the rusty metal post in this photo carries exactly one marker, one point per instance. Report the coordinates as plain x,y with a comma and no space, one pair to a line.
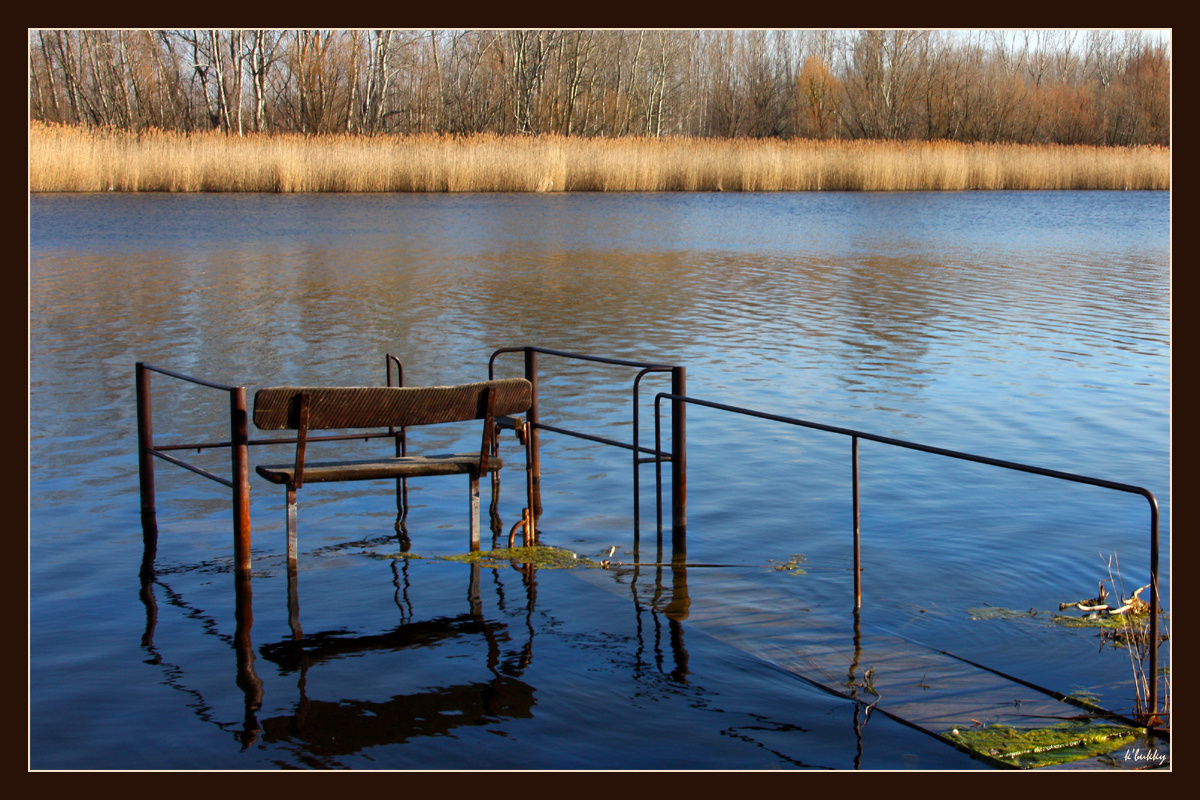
1154,600
239,437
857,525
679,463
658,482
145,426
531,419
401,443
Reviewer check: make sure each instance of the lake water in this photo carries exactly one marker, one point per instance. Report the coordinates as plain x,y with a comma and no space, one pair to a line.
1027,326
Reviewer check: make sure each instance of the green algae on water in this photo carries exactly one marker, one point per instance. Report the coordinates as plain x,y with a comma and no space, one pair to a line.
1114,622
791,566
1030,748
998,612
538,555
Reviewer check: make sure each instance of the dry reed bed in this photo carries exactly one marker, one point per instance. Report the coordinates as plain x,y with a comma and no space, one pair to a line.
63,159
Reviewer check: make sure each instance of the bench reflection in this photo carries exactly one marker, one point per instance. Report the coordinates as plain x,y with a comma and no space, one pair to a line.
498,646
345,727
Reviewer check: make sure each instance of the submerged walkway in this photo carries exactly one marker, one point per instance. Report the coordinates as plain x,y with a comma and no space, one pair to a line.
915,684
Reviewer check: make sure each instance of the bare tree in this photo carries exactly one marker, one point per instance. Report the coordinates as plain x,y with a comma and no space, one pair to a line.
527,52
883,82
1035,85
265,47
318,76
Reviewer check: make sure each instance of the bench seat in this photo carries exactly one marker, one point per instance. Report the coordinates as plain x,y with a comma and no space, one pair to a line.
377,468
314,408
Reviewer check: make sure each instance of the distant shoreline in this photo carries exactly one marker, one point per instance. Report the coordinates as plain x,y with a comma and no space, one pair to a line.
71,159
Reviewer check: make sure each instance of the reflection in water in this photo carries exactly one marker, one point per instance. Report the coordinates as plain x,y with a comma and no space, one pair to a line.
892,302
146,574
326,728
854,685
1030,326
247,679
320,730
672,601
332,728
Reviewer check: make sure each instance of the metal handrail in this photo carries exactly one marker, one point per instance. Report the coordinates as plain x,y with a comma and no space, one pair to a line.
855,435
146,434
239,480
159,450
188,378
238,443
577,356
657,456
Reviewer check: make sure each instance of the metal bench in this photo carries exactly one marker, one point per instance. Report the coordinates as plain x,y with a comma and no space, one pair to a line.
305,409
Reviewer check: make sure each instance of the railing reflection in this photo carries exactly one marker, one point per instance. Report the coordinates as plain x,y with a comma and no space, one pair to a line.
322,730
673,602
247,679
332,728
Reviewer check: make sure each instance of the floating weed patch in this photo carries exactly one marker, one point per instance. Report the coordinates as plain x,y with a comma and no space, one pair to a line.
791,566
1090,621
537,555
392,556
998,612
1030,748
1086,699
1118,630
1111,622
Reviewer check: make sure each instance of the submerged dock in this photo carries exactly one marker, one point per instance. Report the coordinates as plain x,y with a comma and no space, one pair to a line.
964,704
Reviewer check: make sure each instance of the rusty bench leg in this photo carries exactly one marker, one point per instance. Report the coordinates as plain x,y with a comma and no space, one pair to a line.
291,525
293,579
474,511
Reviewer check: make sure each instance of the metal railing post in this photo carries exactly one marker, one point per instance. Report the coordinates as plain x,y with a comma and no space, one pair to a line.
1154,599
531,374
678,462
145,426
637,451
658,462
401,441
857,525
637,489
239,436
531,419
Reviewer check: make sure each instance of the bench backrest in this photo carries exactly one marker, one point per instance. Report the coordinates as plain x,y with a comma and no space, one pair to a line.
277,407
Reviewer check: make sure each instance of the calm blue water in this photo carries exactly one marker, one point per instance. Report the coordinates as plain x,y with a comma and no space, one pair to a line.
1032,327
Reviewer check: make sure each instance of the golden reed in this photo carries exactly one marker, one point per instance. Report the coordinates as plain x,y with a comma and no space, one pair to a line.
67,159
